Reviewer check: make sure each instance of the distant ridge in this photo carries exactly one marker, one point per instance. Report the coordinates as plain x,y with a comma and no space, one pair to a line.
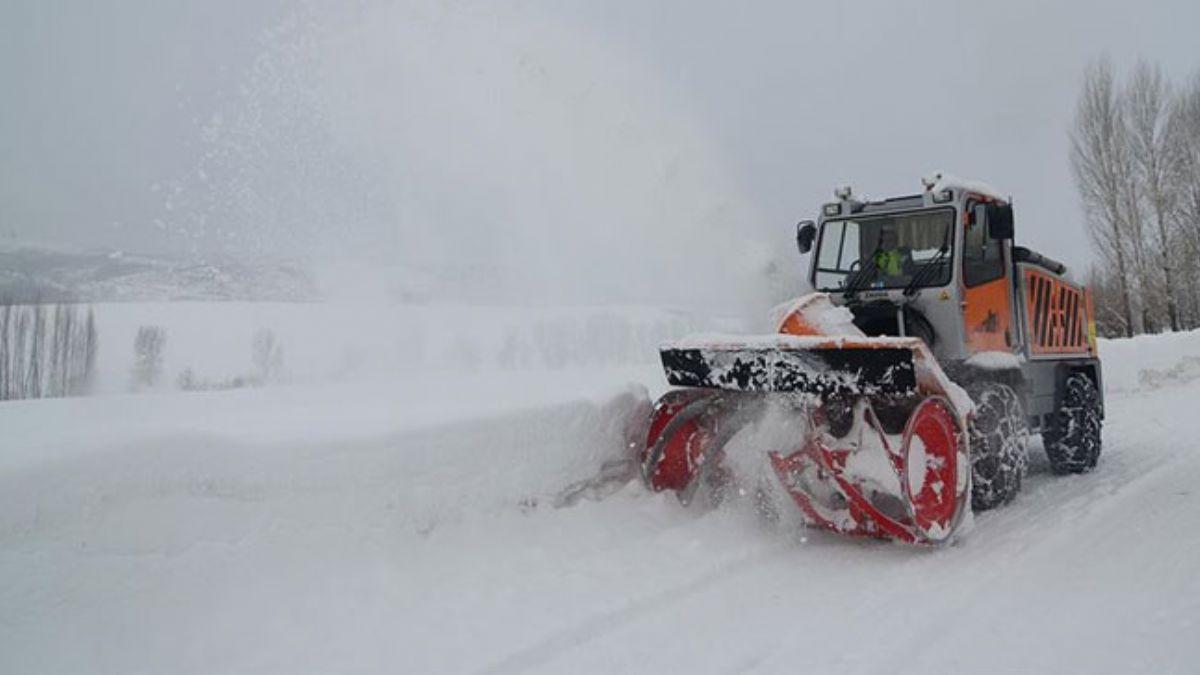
33,274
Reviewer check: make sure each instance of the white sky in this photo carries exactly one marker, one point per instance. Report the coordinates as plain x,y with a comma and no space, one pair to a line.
507,135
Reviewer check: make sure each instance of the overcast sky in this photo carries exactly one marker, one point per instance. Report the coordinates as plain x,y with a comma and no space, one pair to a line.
507,135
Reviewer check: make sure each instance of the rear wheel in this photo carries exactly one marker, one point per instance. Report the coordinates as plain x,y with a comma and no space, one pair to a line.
1072,438
999,436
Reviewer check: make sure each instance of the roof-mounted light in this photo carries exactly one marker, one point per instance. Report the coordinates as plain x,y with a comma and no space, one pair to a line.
943,196
842,193
831,209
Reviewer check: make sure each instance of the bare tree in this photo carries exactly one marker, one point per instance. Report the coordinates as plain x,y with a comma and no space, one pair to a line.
1106,298
59,350
6,352
1154,145
38,360
148,347
37,342
1185,118
267,355
1100,162
19,362
81,352
1135,152
92,346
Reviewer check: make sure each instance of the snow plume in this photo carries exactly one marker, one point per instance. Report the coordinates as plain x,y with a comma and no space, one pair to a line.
501,152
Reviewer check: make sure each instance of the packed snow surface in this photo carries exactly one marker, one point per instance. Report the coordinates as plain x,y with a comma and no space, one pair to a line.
408,524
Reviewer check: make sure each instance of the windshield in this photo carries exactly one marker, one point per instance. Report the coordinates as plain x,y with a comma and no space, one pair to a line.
888,249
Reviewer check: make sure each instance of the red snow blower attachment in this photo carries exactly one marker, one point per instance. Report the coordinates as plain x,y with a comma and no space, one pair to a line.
883,451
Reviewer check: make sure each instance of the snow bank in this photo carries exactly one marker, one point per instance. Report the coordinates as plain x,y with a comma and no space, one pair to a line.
1150,361
202,532
435,444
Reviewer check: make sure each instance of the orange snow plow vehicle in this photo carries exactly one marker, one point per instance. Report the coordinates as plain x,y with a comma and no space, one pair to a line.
911,378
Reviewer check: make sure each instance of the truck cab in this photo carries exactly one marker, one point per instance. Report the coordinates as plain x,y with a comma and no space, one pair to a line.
942,265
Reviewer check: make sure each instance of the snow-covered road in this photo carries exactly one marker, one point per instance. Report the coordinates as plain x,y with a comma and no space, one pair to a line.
408,527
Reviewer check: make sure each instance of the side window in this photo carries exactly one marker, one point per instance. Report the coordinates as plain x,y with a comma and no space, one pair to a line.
839,249
850,251
983,259
831,246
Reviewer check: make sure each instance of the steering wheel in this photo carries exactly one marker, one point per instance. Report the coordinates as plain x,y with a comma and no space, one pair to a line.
852,274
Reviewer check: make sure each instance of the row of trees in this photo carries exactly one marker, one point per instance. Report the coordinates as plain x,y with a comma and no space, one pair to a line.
46,350
50,351
1135,154
266,353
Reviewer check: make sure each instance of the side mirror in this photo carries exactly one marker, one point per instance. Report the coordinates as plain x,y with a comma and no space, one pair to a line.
999,221
806,232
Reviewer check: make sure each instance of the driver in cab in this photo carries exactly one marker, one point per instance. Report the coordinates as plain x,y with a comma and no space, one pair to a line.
890,258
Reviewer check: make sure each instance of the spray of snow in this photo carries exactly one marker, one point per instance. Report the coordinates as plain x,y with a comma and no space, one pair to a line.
870,463
496,144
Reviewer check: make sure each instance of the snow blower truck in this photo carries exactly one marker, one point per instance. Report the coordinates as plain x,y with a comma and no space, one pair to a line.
910,379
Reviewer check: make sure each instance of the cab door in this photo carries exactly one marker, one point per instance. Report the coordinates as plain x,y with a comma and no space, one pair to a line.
987,302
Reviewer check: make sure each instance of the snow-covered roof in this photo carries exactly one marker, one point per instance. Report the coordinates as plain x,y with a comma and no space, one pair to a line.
942,181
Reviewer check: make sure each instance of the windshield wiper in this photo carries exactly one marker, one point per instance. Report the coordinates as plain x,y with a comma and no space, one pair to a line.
865,276
925,272
927,269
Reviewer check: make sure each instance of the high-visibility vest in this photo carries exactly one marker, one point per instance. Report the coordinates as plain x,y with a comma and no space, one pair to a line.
890,263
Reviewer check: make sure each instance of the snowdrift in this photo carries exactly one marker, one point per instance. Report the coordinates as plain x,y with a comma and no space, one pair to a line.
413,456
126,519
1150,361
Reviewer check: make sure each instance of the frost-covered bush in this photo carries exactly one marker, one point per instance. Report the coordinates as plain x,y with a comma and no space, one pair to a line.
189,381
266,357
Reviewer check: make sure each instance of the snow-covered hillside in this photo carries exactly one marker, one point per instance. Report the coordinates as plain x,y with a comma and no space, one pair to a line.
30,274
409,524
